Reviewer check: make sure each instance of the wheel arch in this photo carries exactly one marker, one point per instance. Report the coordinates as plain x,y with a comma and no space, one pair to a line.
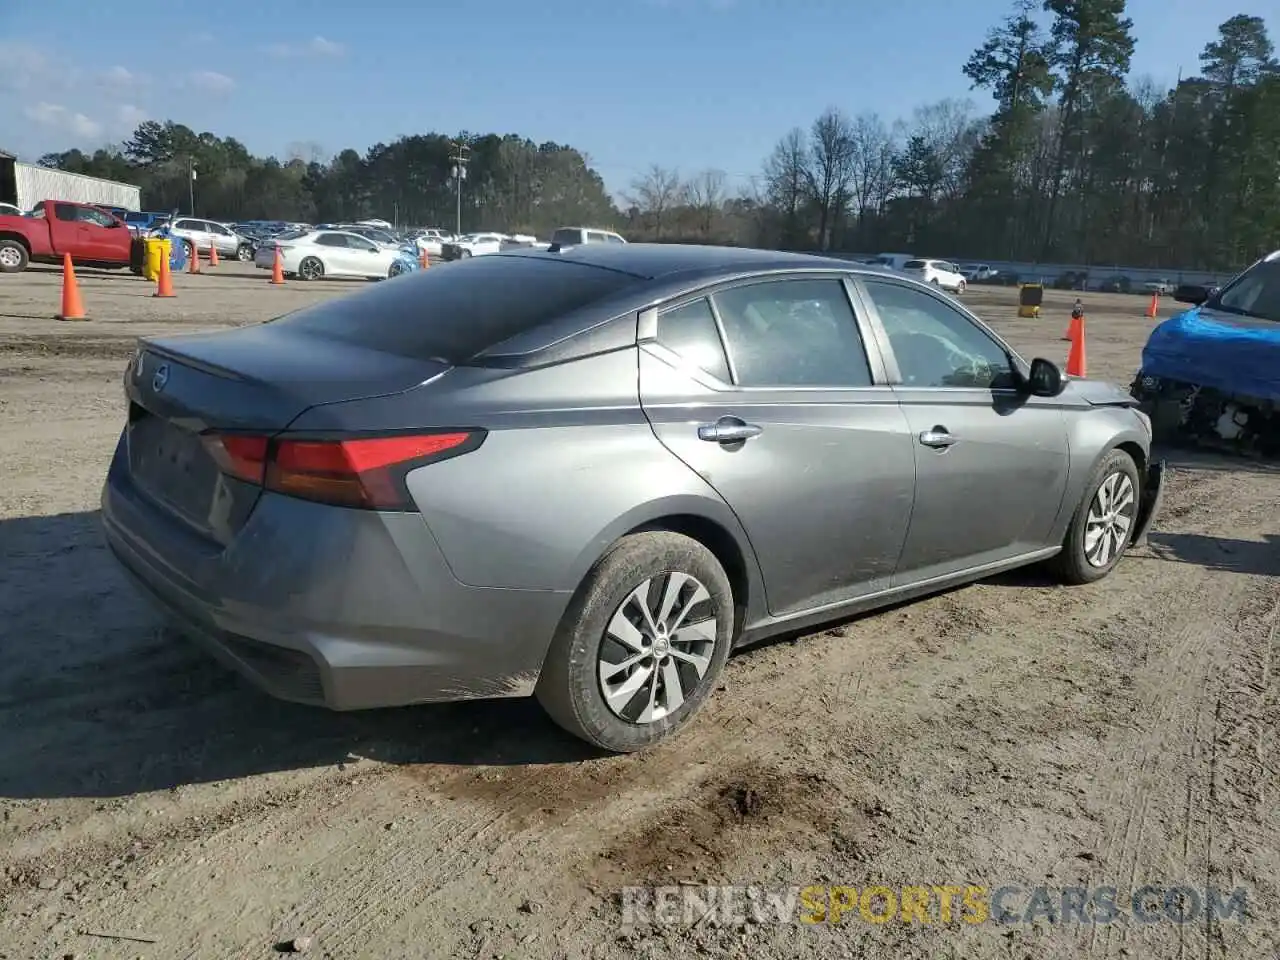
711,524
21,240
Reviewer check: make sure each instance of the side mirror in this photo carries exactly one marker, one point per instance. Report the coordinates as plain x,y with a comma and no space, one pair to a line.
1044,378
1191,293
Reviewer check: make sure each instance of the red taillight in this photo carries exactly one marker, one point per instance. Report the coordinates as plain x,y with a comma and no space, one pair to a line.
365,472
242,457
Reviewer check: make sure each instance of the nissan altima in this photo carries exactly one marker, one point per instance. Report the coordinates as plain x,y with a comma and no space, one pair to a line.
589,475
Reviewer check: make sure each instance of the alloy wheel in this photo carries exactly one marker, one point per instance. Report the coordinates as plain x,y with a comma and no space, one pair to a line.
1110,519
10,257
657,648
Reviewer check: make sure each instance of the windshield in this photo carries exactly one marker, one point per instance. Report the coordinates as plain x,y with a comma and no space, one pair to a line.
1255,293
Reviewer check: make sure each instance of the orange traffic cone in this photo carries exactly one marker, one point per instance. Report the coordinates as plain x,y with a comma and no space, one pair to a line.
1076,322
164,283
193,264
1155,305
1076,364
72,306
423,262
213,254
277,268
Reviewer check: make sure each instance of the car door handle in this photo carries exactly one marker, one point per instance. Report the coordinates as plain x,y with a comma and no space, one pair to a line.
727,430
938,438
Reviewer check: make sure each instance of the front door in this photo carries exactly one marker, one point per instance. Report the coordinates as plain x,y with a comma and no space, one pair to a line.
991,462
792,430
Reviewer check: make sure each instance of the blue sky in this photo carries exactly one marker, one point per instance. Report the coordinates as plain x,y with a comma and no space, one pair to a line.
690,84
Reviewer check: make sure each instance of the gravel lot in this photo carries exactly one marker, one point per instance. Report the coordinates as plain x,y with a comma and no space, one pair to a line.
1012,732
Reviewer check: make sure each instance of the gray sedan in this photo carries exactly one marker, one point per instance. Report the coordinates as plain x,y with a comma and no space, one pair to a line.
588,475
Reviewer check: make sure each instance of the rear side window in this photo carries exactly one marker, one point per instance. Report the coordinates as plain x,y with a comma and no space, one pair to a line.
690,331
454,313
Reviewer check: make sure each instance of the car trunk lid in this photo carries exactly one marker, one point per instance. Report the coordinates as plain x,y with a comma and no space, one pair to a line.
251,381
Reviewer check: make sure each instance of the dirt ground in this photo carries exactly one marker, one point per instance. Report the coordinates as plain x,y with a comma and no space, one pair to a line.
1009,733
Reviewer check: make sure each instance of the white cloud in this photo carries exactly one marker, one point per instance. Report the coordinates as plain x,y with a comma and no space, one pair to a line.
122,78
210,81
21,66
317,46
129,116
57,117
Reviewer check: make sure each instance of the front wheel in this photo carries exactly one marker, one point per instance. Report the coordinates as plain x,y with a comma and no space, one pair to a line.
1103,523
464,254
13,257
961,288
310,269
244,253
642,643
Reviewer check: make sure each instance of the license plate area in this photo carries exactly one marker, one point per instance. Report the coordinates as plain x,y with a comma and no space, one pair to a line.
172,466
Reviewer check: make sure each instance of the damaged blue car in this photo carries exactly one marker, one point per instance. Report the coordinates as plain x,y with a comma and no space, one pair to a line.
1211,375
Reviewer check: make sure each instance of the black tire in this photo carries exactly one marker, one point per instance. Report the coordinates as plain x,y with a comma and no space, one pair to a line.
191,250
464,254
569,687
244,253
1072,565
311,268
16,256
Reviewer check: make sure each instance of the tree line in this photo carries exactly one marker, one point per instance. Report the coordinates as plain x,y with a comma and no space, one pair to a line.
1077,163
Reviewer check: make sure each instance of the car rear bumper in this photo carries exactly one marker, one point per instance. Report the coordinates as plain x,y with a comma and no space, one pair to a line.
346,609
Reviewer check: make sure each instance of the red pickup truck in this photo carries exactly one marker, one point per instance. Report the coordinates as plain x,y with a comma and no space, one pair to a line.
92,236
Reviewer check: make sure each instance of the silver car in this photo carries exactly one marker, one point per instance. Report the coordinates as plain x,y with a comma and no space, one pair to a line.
589,475
202,234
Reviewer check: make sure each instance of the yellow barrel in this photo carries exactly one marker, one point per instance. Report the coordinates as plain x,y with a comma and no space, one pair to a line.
155,251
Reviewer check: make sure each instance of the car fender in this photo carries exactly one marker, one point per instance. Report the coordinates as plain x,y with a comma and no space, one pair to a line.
1093,433
659,513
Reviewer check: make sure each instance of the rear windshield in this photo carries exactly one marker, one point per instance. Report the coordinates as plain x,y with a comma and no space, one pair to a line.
456,311
913,265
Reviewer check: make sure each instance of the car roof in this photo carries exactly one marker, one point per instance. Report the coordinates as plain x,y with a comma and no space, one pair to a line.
651,261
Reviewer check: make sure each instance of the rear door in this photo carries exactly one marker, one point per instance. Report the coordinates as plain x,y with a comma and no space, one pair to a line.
336,255
991,462
766,390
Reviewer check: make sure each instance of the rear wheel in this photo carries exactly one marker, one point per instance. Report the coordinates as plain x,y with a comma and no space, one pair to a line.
310,269
13,257
1103,523
191,250
642,643
961,287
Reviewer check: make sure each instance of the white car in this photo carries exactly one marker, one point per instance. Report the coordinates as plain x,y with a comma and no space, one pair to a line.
941,273
978,272
9,210
312,254
567,237
432,241
474,245
200,235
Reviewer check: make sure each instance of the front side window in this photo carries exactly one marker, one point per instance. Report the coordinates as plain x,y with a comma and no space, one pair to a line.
793,333
935,344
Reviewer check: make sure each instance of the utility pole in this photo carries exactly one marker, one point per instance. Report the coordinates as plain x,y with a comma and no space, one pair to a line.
460,158
191,183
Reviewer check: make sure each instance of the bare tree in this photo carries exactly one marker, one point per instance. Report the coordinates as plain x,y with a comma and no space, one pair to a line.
827,177
785,180
950,131
655,195
871,150
704,195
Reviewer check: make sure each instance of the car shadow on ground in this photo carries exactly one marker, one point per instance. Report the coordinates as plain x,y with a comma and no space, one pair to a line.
99,699
1219,553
